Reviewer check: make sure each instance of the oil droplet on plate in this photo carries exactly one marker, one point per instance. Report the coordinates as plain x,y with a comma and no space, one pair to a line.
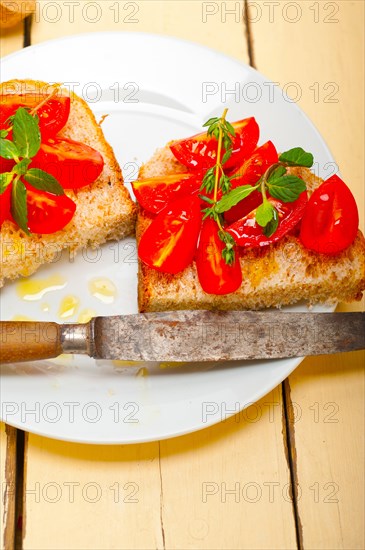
103,289
86,315
34,289
68,307
45,307
142,372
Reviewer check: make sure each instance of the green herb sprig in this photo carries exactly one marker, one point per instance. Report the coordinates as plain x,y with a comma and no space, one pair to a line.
276,181
216,179
24,145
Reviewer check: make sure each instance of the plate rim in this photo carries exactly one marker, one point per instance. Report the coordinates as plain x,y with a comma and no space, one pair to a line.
294,362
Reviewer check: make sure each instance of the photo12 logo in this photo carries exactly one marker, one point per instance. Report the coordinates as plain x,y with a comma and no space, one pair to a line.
270,92
69,412
270,11
73,11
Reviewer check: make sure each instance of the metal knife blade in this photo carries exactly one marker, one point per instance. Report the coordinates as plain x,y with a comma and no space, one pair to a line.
218,336
187,336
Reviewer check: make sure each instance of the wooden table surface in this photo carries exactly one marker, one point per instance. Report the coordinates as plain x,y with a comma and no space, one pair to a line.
292,475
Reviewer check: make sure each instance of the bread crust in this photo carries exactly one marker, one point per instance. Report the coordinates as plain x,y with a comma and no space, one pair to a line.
280,274
104,209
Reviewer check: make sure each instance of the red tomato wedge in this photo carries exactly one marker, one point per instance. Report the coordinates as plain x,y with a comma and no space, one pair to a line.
215,276
154,194
6,165
169,243
48,213
199,152
331,219
72,163
249,174
244,207
247,233
5,204
53,115
256,165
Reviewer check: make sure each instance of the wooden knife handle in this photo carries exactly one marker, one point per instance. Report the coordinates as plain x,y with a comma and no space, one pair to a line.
29,341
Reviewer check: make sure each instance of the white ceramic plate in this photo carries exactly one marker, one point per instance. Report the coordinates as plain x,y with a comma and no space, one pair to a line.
154,89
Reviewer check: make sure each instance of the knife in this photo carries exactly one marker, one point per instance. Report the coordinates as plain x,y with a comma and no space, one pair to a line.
187,336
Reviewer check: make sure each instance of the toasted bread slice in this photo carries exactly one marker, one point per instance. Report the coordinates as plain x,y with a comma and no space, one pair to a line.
277,275
104,209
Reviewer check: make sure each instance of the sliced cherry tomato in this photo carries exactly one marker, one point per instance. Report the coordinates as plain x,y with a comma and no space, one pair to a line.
244,207
249,174
255,166
249,234
5,205
53,115
154,194
215,276
72,163
331,219
48,213
169,242
6,165
199,152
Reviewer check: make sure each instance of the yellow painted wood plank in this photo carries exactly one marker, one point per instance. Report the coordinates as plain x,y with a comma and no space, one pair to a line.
228,487
11,40
8,481
214,24
83,496
186,501
328,393
321,54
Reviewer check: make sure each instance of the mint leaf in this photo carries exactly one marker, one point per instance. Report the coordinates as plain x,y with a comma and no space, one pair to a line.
234,197
297,157
286,188
43,181
8,150
3,133
5,180
264,213
272,226
21,167
26,133
276,174
19,209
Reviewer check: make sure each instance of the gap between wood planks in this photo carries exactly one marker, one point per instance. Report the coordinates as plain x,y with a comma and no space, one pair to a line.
15,446
288,430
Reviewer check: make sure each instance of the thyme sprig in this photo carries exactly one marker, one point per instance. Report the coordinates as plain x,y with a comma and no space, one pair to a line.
215,179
